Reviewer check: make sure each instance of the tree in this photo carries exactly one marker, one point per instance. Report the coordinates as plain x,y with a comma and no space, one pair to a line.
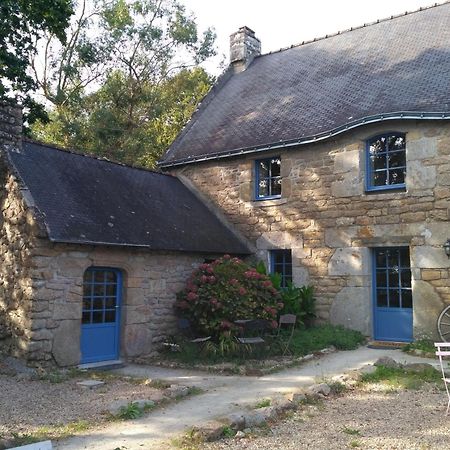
100,123
21,21
144,57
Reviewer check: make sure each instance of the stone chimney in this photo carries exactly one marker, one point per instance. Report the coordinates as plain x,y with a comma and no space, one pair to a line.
10,126
244,46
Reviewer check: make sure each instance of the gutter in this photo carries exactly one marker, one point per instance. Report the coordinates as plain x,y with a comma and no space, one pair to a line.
309,139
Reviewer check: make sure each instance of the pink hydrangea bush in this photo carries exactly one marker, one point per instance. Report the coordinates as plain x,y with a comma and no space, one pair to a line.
218,294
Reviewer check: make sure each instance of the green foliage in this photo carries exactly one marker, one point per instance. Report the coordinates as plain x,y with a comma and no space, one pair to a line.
299,301
21,23
130,411
316,338
351,431
218,294
143,55
264,403
337,387
401,378
424,345
228,432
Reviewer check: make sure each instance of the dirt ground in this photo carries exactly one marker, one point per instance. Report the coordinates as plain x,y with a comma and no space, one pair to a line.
27,405
362,419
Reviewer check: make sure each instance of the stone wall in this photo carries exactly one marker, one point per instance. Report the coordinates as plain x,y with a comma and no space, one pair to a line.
150,282
330,223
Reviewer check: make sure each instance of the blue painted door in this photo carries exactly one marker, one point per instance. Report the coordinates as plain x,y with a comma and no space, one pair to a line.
100,323
393,306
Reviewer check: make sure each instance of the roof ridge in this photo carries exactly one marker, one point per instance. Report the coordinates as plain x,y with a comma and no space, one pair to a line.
348,30
87,155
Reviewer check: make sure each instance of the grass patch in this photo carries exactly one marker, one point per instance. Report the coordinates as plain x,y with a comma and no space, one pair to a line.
51,432
304,341
424,345
354,444
264,403
337,387
351,431
228,432
400,378
191,440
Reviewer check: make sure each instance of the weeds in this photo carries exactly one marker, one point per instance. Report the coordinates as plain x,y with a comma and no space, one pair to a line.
354,444
424,345
263,403
400,378
351,431
228,432
130,411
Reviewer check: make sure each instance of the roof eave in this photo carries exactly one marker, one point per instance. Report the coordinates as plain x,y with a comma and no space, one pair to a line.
403,115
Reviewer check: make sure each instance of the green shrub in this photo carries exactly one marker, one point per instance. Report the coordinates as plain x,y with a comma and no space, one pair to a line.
299,301
425,345
226,290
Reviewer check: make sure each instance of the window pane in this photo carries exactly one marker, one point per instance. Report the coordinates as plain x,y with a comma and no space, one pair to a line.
381,278
97,303
263,169
110,316
397,176
275,167
86,317
392,258
380,178
99,290
377,146
393,278
99,276
396,159
406,278
263,188
381,258
395,142
404,257
275,186
382,298
97,317
110,302
406,299
110,289
86,303
87,289
394,298
379,162
110,276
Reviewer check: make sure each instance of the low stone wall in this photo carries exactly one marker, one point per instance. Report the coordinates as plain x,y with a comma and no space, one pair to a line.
330,222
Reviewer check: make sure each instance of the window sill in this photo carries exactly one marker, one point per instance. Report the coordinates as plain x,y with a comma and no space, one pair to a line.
387,190
269,202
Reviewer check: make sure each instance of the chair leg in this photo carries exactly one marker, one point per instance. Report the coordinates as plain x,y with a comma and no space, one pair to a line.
448,407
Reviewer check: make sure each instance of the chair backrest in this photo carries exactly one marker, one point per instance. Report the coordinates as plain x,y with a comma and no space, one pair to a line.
256,325
287,319
442,348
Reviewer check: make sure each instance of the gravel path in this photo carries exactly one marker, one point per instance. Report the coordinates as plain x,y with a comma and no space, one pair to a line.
27,405
400,420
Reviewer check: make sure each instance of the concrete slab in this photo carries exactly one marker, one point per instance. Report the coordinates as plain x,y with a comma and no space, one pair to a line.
90,384
45,445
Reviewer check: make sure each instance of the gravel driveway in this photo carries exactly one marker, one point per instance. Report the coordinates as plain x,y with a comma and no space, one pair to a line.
366,419
27,405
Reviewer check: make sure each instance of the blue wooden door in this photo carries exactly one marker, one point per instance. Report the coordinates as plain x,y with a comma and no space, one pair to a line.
393,306
100,323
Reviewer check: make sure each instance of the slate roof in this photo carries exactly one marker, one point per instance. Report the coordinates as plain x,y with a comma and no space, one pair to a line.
86,200
395,68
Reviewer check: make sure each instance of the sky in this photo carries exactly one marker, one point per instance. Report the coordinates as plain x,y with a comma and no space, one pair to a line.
281,23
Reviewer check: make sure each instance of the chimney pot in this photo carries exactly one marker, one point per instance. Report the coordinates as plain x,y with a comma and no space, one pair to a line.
244,46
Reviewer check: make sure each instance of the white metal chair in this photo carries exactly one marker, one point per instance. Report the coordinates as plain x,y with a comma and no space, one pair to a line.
442,350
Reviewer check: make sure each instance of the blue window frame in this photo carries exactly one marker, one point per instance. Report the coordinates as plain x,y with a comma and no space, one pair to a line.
386,162
281,262
268,178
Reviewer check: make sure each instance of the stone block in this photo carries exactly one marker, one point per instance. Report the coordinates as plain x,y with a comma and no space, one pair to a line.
349,261
340,237
137,340
347,161
427,305
352,308
66,343
90,384
423,148
67,311
428,257
419,177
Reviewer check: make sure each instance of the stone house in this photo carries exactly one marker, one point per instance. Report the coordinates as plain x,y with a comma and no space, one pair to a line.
333,158
329,160
93,252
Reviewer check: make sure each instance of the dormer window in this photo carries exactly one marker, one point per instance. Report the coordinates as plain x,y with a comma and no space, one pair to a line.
268,178
386,162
